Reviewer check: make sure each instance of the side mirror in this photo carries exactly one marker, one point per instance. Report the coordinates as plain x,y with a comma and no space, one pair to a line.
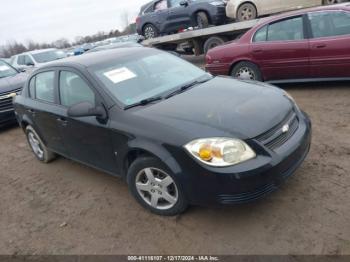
29,64
86,109
184,3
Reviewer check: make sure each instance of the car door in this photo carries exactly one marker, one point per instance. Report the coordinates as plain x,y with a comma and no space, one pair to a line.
178,16
329,45
298,4
87,139
281,49
43,109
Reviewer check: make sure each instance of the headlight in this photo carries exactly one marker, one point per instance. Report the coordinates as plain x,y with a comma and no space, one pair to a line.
220,152
217,3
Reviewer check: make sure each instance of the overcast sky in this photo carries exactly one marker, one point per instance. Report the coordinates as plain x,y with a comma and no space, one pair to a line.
49,20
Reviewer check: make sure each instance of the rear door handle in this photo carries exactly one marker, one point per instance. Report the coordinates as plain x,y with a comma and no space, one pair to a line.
320,46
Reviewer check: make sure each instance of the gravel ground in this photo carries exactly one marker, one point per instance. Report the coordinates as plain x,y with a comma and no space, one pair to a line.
67,208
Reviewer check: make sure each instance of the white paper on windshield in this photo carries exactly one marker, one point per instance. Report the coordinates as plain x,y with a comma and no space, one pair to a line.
4,68
119,75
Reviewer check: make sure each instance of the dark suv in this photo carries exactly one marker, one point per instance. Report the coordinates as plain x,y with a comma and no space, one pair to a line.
169,16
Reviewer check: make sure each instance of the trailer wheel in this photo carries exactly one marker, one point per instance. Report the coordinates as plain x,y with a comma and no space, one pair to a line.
202,20
246,12
330,2
150,31
246,71
212,42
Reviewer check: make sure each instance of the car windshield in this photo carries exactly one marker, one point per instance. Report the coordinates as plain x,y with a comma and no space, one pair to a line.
49,56
141,77
6,70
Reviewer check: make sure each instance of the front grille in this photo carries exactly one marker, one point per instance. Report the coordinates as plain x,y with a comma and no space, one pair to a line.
6,103
276,137
248,196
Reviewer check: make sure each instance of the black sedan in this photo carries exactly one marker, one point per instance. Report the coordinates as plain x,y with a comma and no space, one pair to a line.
11,83
178,135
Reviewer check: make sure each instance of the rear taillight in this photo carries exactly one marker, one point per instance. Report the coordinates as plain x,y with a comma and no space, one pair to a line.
208,59
138,20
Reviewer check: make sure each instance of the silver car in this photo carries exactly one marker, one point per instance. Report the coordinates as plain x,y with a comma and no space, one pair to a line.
241,10
36,58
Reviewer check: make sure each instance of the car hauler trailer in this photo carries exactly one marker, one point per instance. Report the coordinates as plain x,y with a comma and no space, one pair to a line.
201,40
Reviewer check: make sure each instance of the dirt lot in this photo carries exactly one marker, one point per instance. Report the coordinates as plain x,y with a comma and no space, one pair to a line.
67,208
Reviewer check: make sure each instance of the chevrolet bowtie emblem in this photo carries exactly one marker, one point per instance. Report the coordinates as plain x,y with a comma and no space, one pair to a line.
285,128
8,96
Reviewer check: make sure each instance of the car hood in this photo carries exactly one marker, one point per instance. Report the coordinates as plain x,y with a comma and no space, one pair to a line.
222,107
12,83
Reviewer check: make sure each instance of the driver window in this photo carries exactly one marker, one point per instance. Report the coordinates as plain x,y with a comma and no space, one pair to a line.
74,90
175,3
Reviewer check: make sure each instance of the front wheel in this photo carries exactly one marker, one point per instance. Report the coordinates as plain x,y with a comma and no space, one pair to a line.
39,149
202,20
246,71
150,31
246,12
155,187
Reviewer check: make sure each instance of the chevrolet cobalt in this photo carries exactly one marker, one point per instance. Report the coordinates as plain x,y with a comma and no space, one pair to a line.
177,135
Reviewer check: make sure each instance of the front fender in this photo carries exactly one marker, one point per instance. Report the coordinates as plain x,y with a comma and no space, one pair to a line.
157,150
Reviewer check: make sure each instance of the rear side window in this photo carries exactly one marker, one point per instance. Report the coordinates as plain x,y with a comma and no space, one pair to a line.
261,35
326,24
21,60
287,30
45,86
74,90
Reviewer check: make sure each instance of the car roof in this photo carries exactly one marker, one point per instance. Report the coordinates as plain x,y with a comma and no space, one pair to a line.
96,58
37,51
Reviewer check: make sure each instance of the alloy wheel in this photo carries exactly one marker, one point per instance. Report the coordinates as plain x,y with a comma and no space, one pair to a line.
157,188
35,145
149,32
247,12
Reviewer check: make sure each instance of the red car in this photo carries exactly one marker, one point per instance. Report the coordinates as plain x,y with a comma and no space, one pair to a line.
307,45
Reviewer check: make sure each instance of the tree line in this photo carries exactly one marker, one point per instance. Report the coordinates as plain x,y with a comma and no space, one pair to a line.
14,47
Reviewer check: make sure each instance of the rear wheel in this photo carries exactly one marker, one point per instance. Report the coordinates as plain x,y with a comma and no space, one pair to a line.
330,2
246,71
246,12
155,187
202,20
213,42
150,31
38,147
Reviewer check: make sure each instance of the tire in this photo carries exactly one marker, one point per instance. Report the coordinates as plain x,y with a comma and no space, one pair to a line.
330,2
150,31
202,20
213,42
149,181
247,71
41,152
246,12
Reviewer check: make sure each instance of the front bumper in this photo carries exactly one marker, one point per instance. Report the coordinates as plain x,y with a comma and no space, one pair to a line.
7,117
248,181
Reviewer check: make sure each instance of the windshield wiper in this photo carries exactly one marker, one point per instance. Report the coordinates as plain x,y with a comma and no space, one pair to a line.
186,87
144,102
